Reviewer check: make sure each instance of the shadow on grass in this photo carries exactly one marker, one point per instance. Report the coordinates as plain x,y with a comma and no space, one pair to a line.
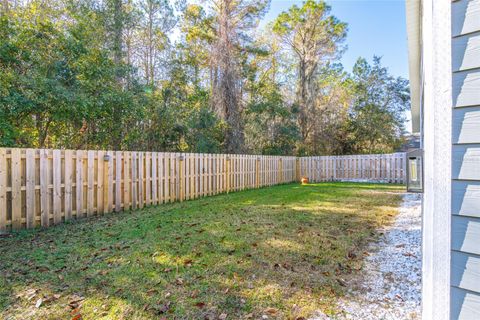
283,251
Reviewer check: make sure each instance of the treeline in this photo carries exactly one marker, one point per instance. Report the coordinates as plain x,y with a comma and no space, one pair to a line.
190,76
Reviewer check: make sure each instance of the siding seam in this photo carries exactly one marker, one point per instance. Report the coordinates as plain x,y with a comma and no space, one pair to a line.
466,290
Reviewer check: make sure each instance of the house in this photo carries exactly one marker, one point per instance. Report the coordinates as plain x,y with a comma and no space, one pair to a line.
444,65
412,142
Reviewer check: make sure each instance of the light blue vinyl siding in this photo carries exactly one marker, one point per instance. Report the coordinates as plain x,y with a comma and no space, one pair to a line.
465,258
466,122
465,304
466,198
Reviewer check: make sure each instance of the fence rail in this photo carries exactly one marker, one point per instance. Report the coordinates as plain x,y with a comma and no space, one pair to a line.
389,168
43,187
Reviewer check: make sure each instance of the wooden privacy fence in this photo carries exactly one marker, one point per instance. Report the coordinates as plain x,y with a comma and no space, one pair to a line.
45,187
389,168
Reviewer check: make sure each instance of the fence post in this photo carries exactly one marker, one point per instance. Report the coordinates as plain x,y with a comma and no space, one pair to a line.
257,172
3,190
297,169
228,173
181,177
334,168
106,186
280,170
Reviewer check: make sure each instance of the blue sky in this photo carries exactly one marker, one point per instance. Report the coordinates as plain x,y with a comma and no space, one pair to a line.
376,27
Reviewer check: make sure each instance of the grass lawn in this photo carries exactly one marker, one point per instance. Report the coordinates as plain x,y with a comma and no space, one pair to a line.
283,252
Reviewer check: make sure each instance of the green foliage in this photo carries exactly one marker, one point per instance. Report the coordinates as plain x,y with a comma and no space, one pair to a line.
376,122
107,74
271,123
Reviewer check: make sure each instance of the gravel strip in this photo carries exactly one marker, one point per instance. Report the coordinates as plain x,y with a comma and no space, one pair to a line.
390,285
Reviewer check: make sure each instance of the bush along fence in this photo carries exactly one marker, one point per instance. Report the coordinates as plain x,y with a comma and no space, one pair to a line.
40,187
387,168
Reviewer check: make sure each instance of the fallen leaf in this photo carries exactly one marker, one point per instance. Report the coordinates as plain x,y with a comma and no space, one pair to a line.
151,292
341,282
42,269
162,308
409,254
271,311
223,316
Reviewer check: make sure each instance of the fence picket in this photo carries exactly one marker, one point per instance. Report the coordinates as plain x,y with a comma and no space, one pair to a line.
68,178
44,190
3,190
90,181
78,184
16,190
29,187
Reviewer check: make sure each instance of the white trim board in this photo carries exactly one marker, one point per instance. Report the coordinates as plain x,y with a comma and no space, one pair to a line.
437,138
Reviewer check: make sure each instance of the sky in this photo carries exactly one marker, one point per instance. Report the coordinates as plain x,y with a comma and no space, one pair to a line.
375,27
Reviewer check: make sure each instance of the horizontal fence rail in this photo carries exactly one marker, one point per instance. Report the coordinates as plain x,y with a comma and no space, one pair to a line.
45,187
387,168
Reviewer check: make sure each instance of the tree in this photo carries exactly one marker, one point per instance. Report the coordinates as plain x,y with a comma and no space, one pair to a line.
156,21
314,36
233,20
198,38
377,115
326,122
270,120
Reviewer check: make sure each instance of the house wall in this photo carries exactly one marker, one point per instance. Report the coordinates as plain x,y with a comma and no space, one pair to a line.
465,188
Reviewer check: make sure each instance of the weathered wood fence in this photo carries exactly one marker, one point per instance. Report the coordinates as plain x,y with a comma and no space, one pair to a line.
389,168
45,187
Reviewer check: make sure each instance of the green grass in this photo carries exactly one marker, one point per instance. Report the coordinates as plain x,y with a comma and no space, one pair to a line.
283,251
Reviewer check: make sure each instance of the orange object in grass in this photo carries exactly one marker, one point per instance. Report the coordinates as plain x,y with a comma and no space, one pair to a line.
304,180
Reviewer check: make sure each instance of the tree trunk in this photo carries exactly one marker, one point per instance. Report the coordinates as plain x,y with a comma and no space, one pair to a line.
5,7
117,58
226,92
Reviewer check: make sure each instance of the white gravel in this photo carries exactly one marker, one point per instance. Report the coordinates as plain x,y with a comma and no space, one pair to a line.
390,285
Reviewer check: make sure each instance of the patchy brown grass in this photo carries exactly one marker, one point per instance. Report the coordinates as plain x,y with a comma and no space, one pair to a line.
283,251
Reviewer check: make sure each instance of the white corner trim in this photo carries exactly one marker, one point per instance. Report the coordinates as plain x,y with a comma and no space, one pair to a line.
413,16
437,138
